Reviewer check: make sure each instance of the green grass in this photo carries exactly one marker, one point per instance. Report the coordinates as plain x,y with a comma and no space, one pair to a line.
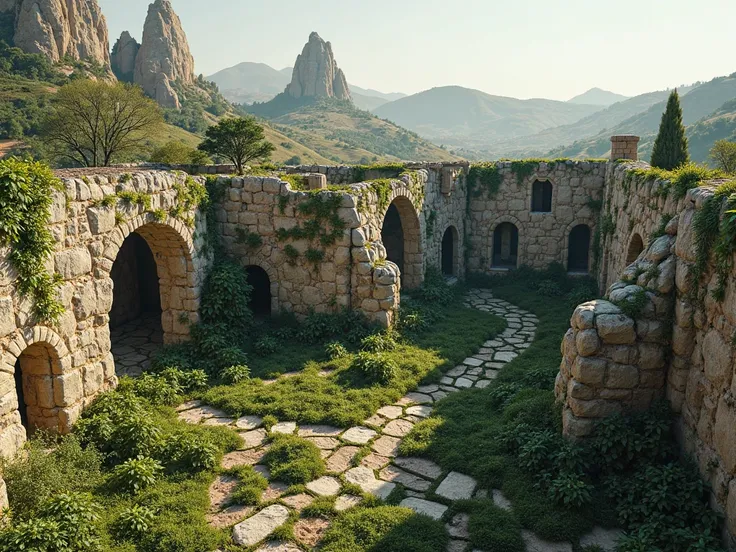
384,529
294,461
251,485
465,432
346,397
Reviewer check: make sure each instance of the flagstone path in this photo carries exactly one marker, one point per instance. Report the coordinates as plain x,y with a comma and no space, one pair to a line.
383,469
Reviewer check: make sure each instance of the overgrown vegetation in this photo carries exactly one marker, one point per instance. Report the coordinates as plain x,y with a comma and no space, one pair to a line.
508,437
26,195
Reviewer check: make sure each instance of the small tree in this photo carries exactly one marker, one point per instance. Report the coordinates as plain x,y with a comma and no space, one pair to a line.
670,148
178,153
723,155
239,140
94,122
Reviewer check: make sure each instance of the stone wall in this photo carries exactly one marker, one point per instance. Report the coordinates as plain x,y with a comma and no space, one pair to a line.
543,237
65,366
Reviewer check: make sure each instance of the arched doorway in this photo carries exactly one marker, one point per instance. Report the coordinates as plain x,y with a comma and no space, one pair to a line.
450,252
34,386
136,331
400,235
505,246
578,252
260,298
636,246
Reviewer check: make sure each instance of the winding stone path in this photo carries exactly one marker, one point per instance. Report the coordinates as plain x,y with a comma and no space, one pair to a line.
382,470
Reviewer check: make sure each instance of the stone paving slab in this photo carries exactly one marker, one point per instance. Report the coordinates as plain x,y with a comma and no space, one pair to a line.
249,422
375,461
535,544
457,486
255,438
345,502
298,502
386,446
358,435
424,507
391,412
324,443
285,428
398,428
366,480
408,480
319,431
324,486
420,466
254,529
420,411
341,460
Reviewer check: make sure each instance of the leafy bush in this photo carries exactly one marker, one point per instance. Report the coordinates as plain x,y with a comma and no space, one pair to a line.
178,153
235,374
434,289
157,389
336,350
135,521
43,472
293,460
134,475
548,288
189,453
266,346
375,366
379,343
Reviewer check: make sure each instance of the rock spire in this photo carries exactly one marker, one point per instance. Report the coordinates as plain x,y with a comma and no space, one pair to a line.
316,74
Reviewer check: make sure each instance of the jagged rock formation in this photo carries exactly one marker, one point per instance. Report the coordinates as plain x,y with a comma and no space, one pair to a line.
164,56
316,74
123,57
59,28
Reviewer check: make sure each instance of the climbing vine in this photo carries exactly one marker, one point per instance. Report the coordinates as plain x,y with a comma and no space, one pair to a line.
360,171
252,240
713,235
677,181
484,178
431,219
323,225
26,195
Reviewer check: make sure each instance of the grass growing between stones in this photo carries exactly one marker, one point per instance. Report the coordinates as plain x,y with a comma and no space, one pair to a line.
347,396
294,461
385,529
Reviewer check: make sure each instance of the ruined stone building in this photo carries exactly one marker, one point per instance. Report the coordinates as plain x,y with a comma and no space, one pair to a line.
134,274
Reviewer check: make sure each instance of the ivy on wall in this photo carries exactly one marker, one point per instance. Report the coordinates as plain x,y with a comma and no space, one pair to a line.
26,195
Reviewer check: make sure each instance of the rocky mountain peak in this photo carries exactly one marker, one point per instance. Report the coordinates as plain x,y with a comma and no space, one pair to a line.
316,74
59,28
164,56
123,56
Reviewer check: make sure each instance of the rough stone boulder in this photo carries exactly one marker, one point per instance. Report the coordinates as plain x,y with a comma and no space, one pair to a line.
59,28
123,56
316,74
164,56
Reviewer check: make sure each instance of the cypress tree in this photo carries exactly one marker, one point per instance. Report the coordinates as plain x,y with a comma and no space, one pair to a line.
670,149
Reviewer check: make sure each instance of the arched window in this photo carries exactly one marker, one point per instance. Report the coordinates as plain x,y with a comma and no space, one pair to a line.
260,298
542,196
450,252
34,386
401,238
636,246
578,257
505,246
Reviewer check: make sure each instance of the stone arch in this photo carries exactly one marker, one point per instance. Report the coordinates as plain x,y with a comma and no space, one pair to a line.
542,192
490,229
450,252
578,249
401,234
272,273
178,269
41,388
636,247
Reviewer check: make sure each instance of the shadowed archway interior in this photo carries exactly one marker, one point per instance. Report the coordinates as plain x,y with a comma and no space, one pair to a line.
260,298
578,255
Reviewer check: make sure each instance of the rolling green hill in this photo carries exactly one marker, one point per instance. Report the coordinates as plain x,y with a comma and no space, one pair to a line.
462,117
341,132
719,125
697,104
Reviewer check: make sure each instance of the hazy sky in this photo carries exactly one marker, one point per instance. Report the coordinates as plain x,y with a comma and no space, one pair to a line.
522,48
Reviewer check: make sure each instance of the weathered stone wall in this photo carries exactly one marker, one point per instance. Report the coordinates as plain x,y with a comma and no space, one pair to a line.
65,366
638,208
543,237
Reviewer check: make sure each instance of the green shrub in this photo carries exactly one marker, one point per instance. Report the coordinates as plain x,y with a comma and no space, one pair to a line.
134,475
36,535
492,528
336,350
549,288
569,489
135,521
294,460
235,374
157,389
379,343
189,453
375,367
266,346
385,529
46,470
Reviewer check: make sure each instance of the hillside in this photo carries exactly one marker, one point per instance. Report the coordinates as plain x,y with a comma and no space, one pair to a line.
598,96
719,125
340,132
699,103
539,144
462,117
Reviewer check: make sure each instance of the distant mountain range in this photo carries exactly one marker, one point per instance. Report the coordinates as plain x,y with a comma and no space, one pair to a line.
247,83
597,96
467,118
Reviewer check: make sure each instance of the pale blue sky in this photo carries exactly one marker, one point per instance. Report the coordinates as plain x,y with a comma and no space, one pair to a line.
522,48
